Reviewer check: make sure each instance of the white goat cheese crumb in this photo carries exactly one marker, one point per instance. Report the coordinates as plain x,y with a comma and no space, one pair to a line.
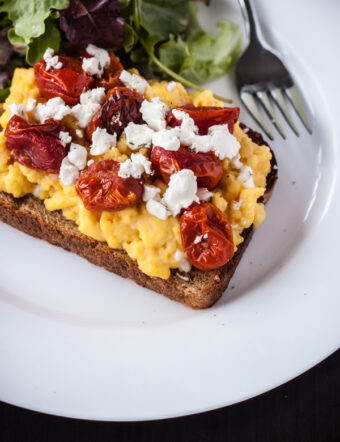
77,156
135,166
198,239
68,172
21,110
181,192
167,139
79,133
246,176
133,81
90,162
54,108
65,138
151,192
154,113
202,143
138,135
102,141
96,64
154,205
157,209
204,194
188,129
184,264
90,102
223,143
52,61
171,86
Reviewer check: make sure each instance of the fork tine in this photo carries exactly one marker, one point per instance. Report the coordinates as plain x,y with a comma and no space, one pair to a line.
250,103
265,101
294,97
280,101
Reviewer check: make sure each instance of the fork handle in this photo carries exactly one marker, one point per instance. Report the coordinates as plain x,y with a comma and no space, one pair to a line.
251,20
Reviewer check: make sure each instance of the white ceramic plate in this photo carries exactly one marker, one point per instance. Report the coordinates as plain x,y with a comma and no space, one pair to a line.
78,341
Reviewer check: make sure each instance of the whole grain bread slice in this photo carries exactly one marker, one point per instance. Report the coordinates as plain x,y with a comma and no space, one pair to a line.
197,289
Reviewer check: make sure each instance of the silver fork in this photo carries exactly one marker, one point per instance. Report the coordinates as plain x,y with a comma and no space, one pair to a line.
261,77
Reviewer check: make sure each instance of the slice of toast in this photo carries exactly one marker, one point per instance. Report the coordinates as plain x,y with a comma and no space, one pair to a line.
197,289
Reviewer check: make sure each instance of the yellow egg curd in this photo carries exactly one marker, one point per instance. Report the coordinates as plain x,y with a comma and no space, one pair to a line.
150,241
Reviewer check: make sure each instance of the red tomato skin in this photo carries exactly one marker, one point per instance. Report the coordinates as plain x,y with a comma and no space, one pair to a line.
216,247
100,187
207,116
206,166
121,107
37,146
68,83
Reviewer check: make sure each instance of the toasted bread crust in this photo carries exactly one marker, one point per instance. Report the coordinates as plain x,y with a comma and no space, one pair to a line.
202,289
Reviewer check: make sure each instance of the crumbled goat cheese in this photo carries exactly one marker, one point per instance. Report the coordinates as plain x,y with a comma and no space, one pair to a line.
138,135
135,166
188,129
219,140
275,167
21,110
96,64
90,102
171,86
246,176
79,133
102,141
154,113
77,156
52,61
224,144
90,162
133,81
205,236
198,239
153,201
181,192
65,138
167,139
68,172
184,264
236,162
157,209
151,192
204,194
54,108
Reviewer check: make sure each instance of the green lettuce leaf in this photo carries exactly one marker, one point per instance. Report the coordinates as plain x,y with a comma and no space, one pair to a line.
28,16
206,58
50,39
161,18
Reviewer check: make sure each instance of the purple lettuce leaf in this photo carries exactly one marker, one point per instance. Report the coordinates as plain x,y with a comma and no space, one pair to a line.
93,21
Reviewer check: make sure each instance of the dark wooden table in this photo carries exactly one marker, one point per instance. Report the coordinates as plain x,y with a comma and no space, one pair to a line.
306,409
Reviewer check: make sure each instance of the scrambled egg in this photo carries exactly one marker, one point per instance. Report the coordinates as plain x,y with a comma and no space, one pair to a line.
147,239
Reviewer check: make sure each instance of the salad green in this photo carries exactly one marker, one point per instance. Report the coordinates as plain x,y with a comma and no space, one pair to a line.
163,35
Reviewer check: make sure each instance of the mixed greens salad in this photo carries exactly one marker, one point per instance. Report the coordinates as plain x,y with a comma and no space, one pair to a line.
161,35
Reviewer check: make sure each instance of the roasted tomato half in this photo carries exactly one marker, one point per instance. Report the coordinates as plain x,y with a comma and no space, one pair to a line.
121,107
207,116
37,146
206,166
100,187
111,75
69,82
207,237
